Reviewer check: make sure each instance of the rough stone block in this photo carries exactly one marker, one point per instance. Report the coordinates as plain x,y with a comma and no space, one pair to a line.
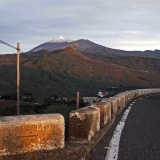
128,96
120,101
27,133
113,102
138,93
105,112
83,124
132,95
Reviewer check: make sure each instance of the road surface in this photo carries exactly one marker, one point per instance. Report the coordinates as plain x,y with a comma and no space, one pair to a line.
140,136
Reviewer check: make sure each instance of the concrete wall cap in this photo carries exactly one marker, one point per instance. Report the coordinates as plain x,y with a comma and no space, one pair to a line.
118,96
101,103
86,110
30,118
111,99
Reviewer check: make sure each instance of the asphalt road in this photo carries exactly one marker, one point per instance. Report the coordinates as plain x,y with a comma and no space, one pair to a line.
140,138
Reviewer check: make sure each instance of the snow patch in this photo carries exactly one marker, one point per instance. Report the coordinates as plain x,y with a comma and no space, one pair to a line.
60,39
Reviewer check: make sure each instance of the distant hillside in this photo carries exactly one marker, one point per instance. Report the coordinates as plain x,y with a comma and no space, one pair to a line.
91,48
64,72
79,45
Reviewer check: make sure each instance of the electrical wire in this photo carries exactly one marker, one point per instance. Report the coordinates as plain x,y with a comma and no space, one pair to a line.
25,55
7,44
33,62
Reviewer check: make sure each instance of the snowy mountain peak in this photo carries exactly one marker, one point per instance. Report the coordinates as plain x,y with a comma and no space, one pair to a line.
60,39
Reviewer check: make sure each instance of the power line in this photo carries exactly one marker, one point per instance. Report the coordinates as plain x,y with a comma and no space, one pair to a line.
33,62
9,45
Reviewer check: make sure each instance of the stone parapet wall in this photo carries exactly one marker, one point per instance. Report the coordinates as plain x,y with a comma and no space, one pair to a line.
105,112
83,124
28,133
108,106
22,135
114,108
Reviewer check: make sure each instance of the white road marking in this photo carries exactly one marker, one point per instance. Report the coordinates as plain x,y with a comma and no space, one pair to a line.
113,148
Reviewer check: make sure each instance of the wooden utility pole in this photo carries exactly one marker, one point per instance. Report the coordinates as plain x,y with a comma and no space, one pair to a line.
18,79
77,101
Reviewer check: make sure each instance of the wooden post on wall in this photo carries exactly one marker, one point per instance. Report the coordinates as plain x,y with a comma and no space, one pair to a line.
77,101
18,79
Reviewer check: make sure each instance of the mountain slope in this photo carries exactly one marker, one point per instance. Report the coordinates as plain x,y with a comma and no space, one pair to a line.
64,72
61,43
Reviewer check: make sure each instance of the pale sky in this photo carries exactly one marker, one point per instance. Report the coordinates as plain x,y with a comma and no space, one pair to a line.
120,24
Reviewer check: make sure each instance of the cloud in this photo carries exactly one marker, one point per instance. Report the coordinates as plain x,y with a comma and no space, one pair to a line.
106,22
139,44
8,1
